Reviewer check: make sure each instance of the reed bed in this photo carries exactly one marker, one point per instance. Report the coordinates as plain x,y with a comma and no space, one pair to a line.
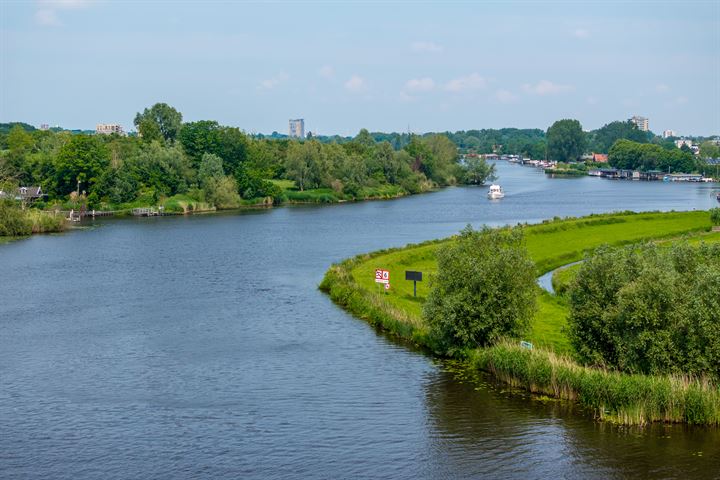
616,397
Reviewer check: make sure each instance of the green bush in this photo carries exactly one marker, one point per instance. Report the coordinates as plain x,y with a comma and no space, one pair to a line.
13,221
222,192
484,290
715,216
649,309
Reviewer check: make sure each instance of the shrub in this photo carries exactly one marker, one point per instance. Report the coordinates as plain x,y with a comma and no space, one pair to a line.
484,290
649,309
13,221
715,216
222,192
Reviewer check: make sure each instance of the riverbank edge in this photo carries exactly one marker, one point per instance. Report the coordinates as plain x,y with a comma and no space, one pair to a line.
616,397
254,204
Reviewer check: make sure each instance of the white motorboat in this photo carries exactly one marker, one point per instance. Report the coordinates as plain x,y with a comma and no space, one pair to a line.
495,191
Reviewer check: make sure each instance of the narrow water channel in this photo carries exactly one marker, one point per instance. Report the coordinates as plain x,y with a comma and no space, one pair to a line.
200,346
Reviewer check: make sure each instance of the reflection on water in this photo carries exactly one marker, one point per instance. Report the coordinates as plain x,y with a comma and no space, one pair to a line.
191,347
486,428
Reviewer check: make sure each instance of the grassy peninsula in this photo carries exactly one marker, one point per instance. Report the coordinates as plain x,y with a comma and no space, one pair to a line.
550,368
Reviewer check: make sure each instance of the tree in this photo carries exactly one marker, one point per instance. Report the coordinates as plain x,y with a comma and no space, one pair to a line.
211,168
444,153
477,171
709,149
159,122
306,164
566,140
604,137
19,143
232,148
166,170
484,289
198,138
79,164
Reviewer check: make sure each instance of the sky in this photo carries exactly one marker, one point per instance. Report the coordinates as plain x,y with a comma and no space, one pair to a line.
385,66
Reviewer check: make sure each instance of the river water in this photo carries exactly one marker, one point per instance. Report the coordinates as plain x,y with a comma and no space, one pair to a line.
191,347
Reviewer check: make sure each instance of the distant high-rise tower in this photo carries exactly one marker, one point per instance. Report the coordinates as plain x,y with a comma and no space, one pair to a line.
641,122
297,128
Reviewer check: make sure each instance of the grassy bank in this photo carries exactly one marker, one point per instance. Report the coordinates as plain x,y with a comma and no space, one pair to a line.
551,245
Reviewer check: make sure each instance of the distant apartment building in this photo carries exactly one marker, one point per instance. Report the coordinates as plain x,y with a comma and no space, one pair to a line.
669,133
44,126
641,122
108,128
297,128
682,141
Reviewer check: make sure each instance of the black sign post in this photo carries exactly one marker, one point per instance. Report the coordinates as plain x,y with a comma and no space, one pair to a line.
415,277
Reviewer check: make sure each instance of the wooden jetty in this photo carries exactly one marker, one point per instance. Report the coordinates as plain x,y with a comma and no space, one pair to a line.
147,212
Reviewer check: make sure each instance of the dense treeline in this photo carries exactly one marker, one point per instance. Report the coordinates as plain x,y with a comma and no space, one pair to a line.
626,154
222,166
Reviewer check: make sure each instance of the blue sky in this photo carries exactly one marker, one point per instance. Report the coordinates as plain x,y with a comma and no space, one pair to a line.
379,65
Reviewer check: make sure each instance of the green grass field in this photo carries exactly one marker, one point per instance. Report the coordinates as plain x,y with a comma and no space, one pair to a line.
550,245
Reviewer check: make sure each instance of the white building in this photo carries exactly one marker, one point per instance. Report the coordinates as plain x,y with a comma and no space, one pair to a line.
669,133
297,128
682,141
641,122
108,128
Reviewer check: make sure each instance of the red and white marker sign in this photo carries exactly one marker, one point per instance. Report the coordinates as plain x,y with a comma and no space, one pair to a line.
382,276
387,286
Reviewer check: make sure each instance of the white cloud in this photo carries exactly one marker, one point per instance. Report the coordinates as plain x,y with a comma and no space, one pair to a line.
681,100
591,100
469,82
546,87
356,84
505,96
46,13
662,88
326,71
420,84
272,82
581,33
426,47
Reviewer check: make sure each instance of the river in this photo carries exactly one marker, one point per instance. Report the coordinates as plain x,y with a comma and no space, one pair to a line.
189,347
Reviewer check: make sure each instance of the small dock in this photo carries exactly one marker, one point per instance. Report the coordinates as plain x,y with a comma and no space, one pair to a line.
77,215
147,212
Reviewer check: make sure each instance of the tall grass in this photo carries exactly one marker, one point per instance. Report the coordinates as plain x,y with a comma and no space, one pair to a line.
44,222
15,221
617,397
185,204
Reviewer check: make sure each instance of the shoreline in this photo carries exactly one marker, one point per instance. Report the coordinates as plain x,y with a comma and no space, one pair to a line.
261,204
616,397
